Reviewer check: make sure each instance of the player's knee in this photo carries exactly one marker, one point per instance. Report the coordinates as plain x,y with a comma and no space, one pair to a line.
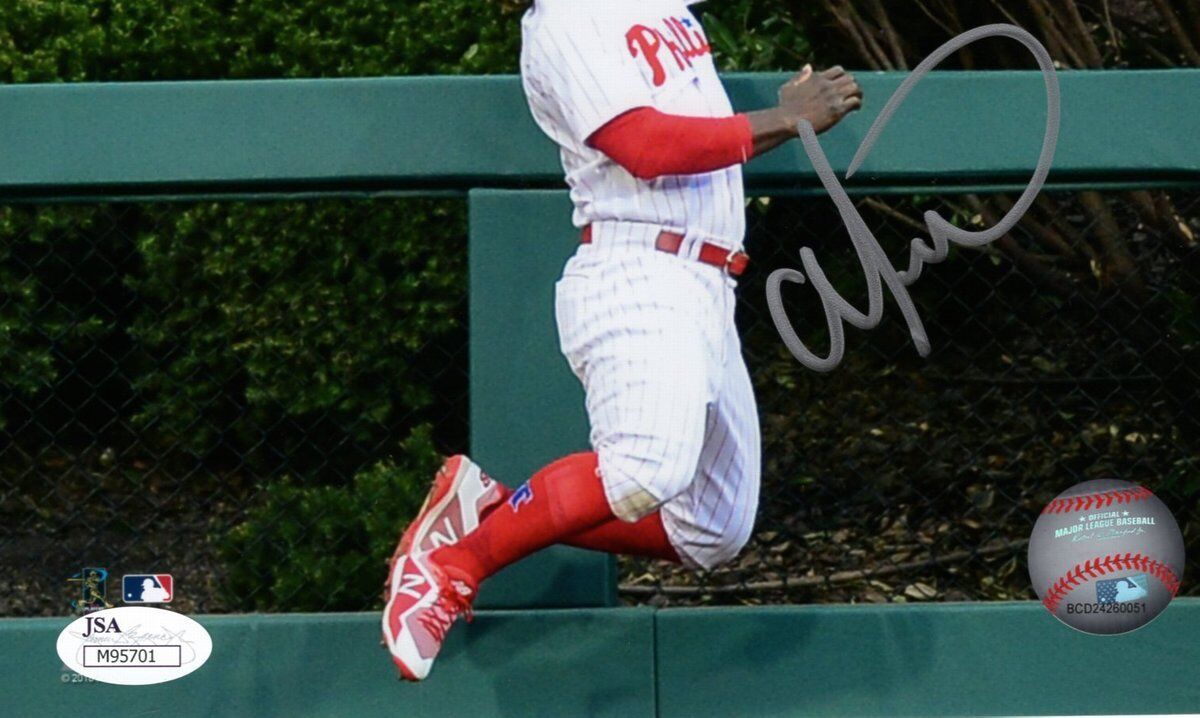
675,469
672,481
637,486
632,500
635,495
728,547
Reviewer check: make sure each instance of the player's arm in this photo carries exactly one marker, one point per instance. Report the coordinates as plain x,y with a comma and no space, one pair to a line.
823,98
650,144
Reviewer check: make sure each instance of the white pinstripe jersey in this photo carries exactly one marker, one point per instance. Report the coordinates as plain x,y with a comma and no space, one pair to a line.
585,63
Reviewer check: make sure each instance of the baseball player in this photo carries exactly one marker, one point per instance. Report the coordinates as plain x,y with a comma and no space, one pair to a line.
652,152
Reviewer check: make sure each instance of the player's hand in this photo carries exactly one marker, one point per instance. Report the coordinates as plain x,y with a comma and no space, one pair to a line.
823,98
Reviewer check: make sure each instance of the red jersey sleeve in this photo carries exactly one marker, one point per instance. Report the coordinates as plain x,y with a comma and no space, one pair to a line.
650,144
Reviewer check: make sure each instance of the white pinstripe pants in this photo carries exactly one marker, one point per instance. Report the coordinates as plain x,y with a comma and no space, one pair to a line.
673,418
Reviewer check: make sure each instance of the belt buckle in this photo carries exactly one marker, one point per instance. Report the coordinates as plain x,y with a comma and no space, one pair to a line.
733,252
731,261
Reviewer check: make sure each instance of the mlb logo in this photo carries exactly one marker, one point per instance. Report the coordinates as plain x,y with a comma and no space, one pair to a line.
1120,590
147,588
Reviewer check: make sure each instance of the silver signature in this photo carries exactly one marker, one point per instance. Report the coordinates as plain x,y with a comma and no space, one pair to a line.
875,264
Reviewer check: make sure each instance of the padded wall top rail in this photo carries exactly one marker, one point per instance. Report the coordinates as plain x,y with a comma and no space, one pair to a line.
428,133
978,659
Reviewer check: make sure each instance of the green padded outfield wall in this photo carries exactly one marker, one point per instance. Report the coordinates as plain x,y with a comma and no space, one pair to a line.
964,659
597,662
823,661
422,133
526,406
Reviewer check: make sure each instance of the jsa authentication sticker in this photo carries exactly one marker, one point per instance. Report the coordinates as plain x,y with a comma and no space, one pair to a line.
134,645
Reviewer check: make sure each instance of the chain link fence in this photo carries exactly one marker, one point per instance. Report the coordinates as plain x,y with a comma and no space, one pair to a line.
250,396
897,478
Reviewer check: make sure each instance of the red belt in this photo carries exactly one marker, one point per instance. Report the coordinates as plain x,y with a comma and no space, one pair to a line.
713,254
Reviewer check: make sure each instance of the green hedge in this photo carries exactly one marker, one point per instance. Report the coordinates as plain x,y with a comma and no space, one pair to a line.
318,309
43,312
133,40
329,551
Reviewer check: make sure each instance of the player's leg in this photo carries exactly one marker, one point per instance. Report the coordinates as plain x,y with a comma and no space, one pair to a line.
713,519
645,538
638,336
562,499
427,592
710,522
604,499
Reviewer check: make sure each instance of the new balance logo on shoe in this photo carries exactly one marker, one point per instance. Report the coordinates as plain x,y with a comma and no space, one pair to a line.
410,584
444,535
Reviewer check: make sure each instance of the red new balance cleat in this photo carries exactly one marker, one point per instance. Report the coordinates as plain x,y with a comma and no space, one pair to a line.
461,494
426,601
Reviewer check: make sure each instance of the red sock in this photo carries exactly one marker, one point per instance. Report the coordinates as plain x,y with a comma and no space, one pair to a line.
561,500
646,538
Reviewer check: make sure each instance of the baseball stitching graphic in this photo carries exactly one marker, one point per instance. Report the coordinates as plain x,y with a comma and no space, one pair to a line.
1104,565
1106,498
1106,556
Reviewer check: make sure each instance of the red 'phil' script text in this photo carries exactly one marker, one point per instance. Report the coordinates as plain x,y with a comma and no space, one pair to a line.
647,42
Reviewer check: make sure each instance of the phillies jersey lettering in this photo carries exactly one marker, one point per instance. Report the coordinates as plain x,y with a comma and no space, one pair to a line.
647,42
583,64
